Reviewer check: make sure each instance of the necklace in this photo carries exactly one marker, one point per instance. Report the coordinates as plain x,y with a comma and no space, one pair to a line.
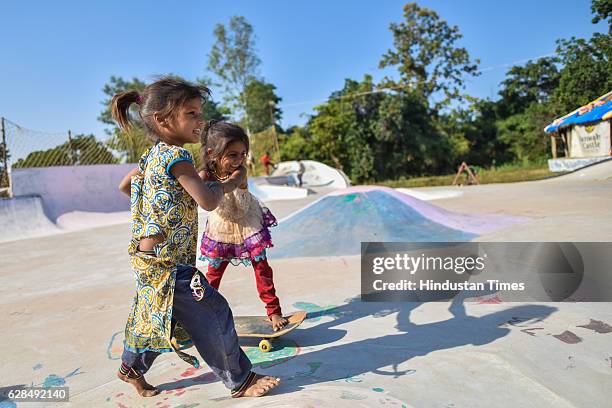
218,177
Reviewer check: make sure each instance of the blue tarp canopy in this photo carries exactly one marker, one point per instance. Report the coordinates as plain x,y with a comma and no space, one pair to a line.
599,109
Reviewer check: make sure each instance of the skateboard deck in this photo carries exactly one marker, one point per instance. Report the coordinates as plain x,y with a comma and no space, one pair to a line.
261,327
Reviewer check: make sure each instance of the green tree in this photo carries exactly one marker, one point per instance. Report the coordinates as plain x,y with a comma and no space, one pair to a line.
524,135
409,138
587,65
534,82
86,150
46,158
473,134
534,94
602,10
81,150
342,130
296,144
234,61
375,135
511,129
261,106
427,56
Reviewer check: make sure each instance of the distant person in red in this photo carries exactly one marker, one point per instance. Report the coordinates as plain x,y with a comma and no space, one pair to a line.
265,160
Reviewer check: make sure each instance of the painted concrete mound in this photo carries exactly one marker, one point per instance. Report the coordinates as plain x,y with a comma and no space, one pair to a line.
338,223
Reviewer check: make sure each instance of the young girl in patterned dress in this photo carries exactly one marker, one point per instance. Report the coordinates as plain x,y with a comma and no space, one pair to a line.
237,230
174,308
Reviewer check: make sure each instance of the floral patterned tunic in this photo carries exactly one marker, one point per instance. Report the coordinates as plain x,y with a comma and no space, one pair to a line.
159,206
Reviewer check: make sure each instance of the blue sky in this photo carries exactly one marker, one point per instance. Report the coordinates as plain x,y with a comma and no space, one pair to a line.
56,56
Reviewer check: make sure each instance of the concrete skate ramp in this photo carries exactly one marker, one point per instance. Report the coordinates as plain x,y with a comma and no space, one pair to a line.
52,200
23,217
81,220
267,192
431,194
599,171
64,189
316,174
337,223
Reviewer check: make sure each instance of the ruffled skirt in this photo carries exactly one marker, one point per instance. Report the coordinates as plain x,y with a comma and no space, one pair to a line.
238,242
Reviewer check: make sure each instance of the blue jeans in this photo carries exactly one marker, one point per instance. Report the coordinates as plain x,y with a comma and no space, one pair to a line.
211,325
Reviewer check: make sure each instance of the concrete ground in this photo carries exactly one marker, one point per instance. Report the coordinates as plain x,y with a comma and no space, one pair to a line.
65,299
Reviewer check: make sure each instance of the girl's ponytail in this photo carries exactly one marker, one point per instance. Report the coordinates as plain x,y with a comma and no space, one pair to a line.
120,108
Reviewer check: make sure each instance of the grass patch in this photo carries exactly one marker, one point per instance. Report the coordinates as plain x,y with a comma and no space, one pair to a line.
504,174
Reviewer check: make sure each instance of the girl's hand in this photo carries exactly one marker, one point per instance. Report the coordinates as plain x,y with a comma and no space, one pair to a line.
126,183
244,184
238,177
240,172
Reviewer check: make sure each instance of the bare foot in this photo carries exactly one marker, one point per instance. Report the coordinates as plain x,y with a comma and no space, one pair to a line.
278,322
260,386
143,388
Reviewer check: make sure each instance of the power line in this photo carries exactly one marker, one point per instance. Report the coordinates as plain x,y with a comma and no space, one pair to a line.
509,64
285,105
486,69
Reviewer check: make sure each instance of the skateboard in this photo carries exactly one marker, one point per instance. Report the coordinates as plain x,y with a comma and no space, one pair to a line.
260,327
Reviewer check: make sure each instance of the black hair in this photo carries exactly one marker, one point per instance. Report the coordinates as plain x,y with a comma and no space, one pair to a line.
162,98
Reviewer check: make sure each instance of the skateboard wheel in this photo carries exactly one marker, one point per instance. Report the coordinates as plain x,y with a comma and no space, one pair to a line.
265,345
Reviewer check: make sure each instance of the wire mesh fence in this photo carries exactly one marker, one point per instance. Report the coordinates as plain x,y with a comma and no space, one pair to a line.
21,147
32,148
